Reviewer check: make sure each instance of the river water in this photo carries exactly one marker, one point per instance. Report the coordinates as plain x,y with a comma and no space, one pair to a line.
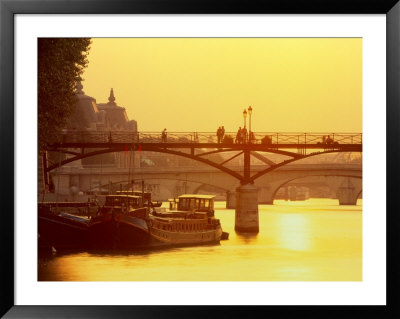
312,240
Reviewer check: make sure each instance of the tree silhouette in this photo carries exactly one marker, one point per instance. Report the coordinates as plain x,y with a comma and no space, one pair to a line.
60,64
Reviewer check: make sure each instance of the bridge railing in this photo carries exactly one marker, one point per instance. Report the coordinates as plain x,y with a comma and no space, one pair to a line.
273,138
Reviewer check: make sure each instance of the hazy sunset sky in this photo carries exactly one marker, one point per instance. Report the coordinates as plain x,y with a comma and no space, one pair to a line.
198,84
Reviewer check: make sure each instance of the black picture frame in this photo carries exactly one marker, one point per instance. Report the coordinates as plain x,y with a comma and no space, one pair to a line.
8,10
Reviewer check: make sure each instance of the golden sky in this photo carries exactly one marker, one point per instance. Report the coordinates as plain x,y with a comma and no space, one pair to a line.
198,84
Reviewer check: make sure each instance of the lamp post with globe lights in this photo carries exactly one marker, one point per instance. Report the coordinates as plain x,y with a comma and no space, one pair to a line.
244,126
250,110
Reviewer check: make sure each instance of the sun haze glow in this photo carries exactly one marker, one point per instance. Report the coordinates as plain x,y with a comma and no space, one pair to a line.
198,84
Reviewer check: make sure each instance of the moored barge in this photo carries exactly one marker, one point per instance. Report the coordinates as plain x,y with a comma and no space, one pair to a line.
119,224
60,229
192,223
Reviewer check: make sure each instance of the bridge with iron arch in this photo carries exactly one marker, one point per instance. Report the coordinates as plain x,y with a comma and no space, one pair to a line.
198,146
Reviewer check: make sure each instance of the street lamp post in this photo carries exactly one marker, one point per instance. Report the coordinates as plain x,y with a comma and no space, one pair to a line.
250,111
244,126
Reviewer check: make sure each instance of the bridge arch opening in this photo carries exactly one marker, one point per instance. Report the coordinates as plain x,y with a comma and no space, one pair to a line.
283,184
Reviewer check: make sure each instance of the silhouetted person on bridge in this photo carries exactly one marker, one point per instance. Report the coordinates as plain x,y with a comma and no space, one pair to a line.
222,133
243,135
252,138
219,133
237,140
164,136
329,140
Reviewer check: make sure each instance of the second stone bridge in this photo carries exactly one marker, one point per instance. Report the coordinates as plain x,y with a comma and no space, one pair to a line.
344,179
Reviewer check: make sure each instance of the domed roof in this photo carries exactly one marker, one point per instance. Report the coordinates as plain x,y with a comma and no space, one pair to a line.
80,94
86,105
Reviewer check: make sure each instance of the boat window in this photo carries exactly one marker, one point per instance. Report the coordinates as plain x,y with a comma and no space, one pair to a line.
201,204
206,203
197,203
183,204
187,204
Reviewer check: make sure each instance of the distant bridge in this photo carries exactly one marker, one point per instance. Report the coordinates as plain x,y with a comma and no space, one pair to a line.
195,178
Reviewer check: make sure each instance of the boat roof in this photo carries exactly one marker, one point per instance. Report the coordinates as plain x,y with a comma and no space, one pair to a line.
131,192
123,196
197,196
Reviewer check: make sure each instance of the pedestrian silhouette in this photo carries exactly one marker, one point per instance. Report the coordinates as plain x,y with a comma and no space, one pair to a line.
238,135
164,135
219,131
243,135
252,137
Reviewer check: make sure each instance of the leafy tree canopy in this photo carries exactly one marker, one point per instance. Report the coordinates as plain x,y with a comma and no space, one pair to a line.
60,64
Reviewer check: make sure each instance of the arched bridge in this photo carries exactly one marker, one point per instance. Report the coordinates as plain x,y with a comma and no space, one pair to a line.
198,146
196,177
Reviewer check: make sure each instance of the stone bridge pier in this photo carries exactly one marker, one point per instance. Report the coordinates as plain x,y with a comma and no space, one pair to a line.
246,211
349,191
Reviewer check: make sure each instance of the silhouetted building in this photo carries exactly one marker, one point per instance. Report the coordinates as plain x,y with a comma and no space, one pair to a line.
116,116
90,116
86,116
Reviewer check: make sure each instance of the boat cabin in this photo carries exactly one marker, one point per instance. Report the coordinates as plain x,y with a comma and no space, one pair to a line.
198,203
146,195
128,201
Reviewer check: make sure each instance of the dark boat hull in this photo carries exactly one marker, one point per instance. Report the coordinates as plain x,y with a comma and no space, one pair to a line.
62,231
118,232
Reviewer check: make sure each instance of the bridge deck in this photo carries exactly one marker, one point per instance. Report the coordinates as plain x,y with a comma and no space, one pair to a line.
254,147
279,143
259,141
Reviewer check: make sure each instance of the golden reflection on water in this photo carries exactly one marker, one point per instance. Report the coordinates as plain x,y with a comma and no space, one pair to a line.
313,240
292,232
